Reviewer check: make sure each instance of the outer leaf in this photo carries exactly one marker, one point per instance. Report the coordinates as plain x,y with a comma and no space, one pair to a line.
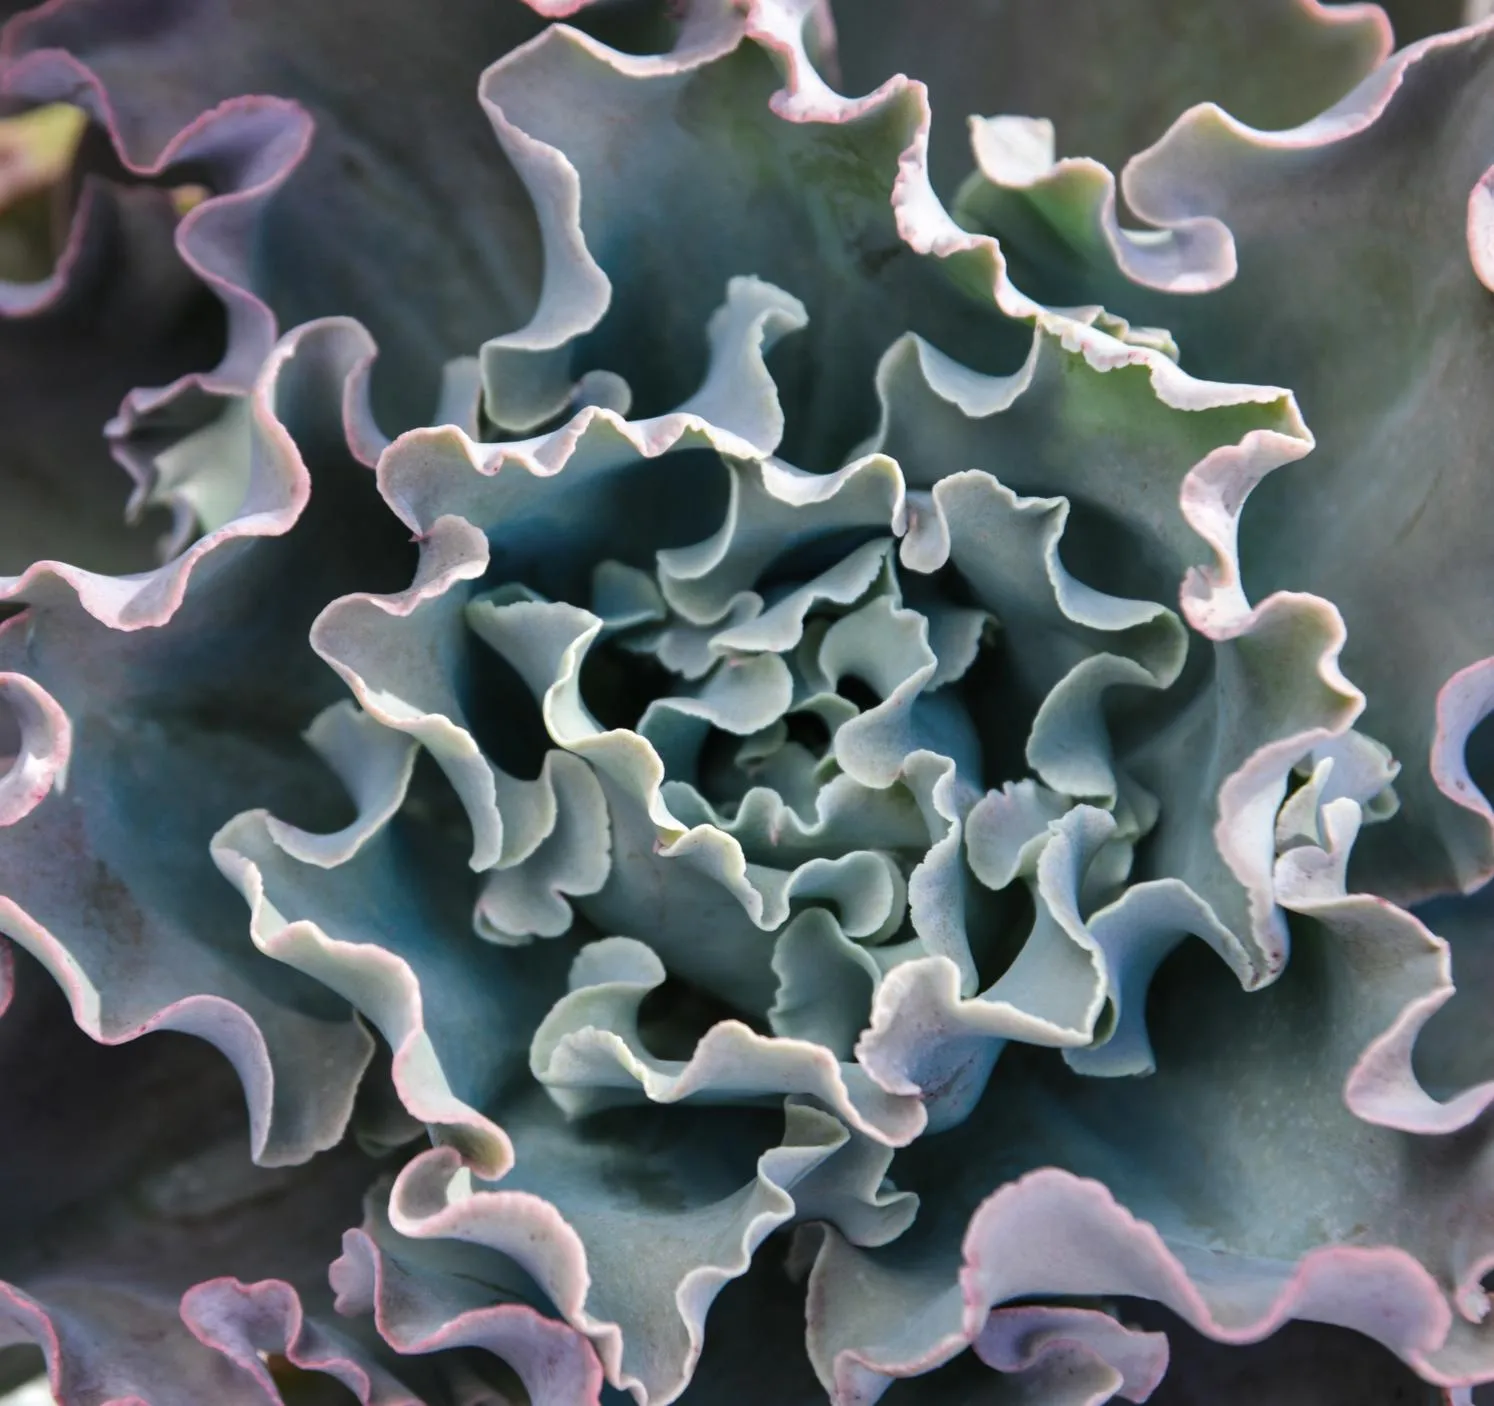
1110,79
111,1214
1363,229
132,312
1224,1260
400,147
814,213
432,1296
169,737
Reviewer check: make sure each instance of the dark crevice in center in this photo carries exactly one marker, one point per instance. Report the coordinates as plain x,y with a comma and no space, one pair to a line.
718,776
675,1016
618,685
1000,712
856,690
998,926
434,807
10,736
503,715
553,541
1301,1364
809,731
805,560
1479,755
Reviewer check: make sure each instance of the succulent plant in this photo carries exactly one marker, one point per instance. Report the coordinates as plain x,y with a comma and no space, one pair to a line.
795,750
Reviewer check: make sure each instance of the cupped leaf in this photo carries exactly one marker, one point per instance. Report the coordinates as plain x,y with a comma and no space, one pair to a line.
1110,79
387,926
1345,258
247,1323
131,312
435,1296
401,173
140,245
631,1225
246,466
828,205
1275,1230
129,1180
36,748
107,880
590,1054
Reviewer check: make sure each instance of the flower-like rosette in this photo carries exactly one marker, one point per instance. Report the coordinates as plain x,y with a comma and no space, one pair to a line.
789,796
800,710
775,785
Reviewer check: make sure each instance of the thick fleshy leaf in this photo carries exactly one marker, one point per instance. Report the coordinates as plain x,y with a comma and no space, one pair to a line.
136,1183
817,205
388,929
1265,1235
1362,229
132,312
402,173
631,1225
107,880
246,466
827,778
1110,78
137,245
589,1052
437,1296
36,747
249,1322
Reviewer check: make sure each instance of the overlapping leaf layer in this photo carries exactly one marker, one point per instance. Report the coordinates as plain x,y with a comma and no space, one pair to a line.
726,723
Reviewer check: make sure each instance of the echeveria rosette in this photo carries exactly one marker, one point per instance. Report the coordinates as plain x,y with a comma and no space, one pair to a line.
754,878
627,827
